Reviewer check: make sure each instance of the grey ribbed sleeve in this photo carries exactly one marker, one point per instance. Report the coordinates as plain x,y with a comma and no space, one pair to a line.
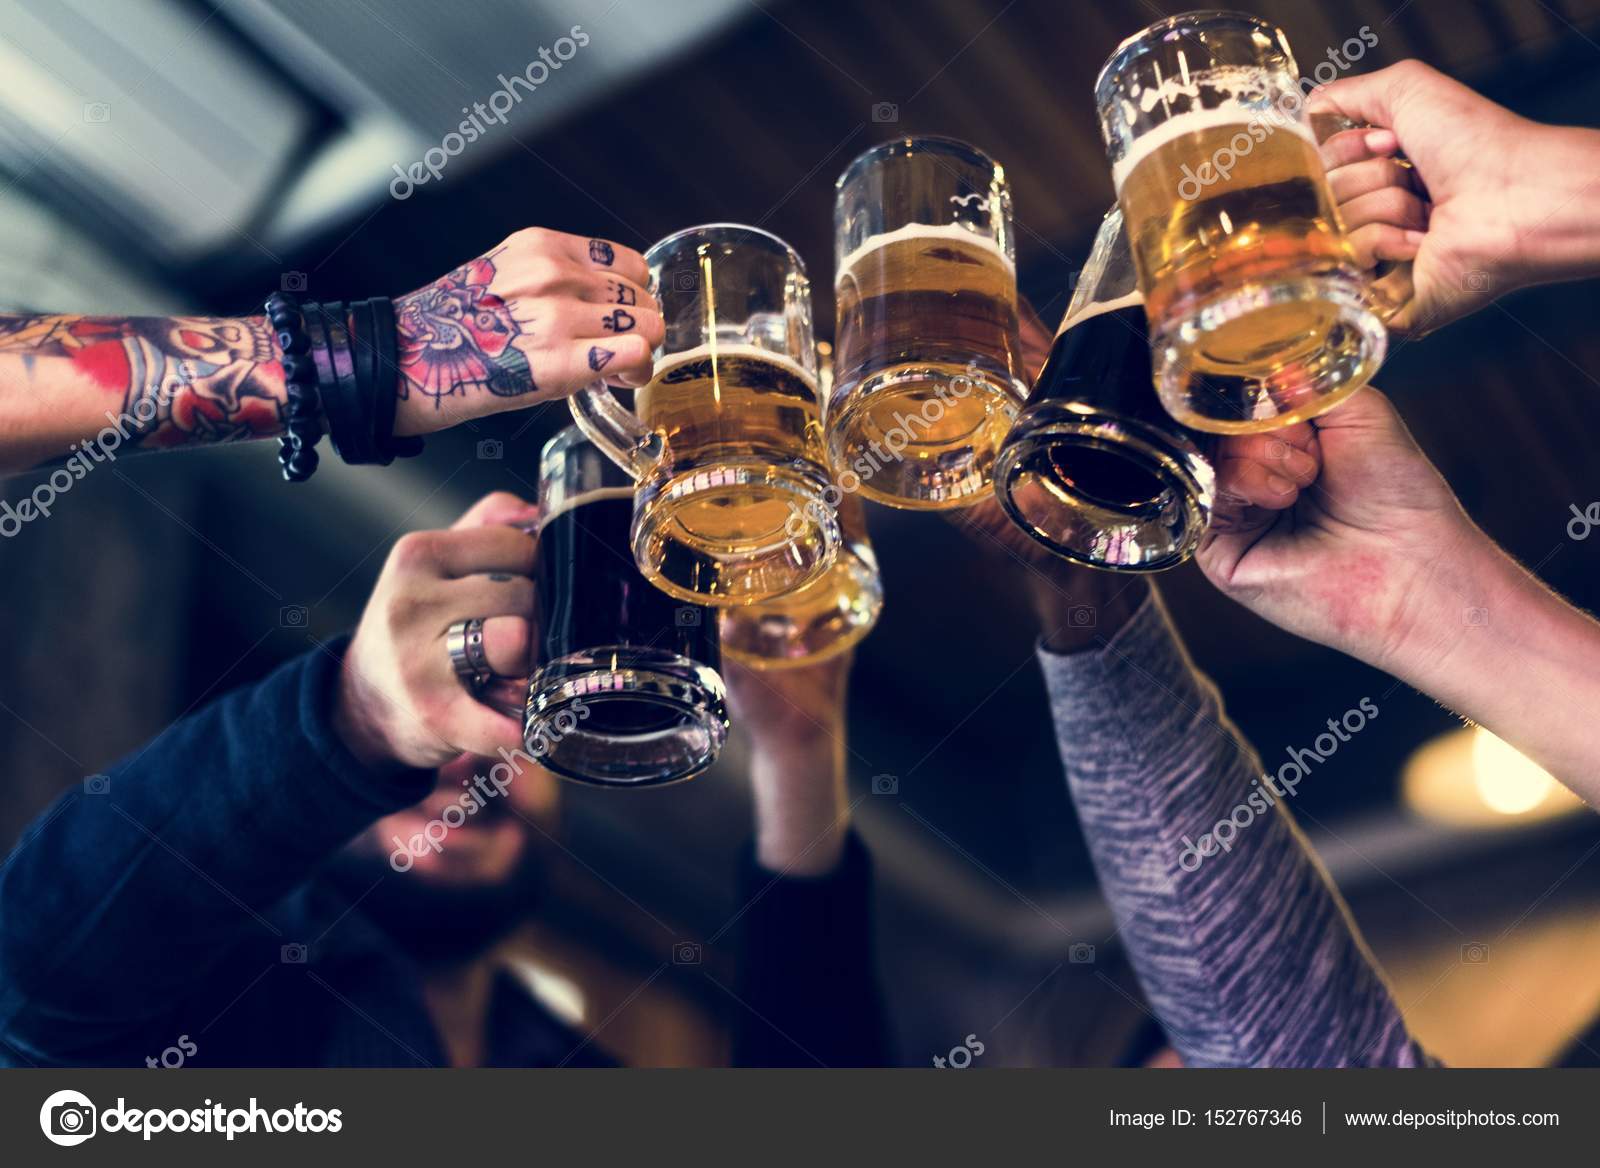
1248,955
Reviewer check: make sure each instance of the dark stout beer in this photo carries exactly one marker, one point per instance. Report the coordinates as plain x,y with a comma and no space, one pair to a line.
592,601
625,689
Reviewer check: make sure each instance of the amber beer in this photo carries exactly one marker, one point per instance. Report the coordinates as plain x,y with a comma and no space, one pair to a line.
932,415
820,620
1259,316
928,368
725,442
731,405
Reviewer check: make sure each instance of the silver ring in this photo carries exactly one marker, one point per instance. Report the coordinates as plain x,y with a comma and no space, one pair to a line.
464,643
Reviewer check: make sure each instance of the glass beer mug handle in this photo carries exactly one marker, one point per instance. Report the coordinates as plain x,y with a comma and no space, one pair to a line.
616,430
505,695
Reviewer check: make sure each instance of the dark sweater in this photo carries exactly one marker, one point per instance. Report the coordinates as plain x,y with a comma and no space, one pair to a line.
161,906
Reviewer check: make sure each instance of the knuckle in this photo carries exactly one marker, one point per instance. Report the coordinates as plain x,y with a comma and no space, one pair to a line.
545,273
501,501
537,238
415,550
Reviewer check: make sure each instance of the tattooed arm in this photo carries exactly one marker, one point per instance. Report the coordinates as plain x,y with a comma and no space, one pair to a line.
539,317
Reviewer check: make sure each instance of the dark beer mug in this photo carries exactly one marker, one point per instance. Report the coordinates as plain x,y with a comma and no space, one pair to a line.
1095,469
625,690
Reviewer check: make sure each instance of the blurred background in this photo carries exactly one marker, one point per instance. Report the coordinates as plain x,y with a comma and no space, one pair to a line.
173,155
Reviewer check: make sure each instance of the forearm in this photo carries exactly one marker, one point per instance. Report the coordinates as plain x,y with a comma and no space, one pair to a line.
802,812
1247,954
1497,646
1557,230
94,387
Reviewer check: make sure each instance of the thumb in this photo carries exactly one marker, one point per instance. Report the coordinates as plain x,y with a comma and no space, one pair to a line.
1368,99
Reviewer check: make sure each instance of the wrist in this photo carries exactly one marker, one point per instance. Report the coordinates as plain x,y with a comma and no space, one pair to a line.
802,809
1079,608
1471,599
1555,234
357,724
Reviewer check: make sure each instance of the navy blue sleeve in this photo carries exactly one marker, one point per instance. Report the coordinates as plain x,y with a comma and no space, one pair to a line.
118,901
809,987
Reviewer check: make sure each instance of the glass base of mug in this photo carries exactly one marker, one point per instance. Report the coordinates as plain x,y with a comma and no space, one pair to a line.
1225,368
820,621
620,716
735,532
1105,490
923,435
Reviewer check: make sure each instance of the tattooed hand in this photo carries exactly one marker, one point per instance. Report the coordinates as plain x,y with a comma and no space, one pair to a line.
539,317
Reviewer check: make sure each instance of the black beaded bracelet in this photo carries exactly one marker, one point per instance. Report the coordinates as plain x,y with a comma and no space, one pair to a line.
341,373
297,448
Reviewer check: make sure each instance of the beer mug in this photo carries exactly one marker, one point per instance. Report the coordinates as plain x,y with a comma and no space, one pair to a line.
928,366
1258,314
822,619
625,690
725,441
1095,469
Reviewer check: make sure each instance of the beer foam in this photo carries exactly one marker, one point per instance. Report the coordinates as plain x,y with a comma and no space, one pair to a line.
596,496
1099,308
721,352
954,232
1205,119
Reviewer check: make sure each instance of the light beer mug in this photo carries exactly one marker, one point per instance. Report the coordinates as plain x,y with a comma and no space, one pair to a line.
819,621
725,442
1095,469
928,368
1259,316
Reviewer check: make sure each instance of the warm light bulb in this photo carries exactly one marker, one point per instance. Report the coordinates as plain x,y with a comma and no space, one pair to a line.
1470,778
1507,780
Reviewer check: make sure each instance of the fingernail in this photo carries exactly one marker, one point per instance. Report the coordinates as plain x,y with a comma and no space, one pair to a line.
1379,140
1279,485
1416,237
